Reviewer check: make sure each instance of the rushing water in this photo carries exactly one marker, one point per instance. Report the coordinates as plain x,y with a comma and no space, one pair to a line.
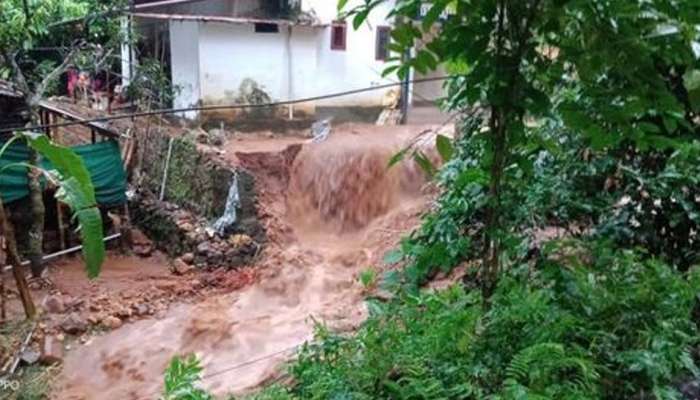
344,207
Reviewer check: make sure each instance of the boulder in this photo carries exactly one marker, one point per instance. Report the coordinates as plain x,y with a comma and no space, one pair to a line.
74,324
188,258
51,351
180,267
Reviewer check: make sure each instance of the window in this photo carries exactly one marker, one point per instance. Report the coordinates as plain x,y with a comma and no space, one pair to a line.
383,39
261,27
339,33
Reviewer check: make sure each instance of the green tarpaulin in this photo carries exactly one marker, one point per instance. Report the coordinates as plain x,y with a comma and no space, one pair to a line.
103,161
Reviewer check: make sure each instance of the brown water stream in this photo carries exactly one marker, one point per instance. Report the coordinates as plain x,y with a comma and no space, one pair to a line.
333,212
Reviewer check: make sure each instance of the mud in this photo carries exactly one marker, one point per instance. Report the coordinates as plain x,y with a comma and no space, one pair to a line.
331,210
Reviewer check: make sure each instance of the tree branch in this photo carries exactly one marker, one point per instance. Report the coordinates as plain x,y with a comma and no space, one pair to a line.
19,79
53,75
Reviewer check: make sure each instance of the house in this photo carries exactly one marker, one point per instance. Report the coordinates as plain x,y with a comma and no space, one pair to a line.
290,49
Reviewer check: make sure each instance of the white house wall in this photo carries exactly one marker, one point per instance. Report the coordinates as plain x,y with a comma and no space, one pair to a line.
185,56
356,67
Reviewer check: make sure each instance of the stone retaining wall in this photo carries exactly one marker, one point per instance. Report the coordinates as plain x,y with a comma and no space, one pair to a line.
195,196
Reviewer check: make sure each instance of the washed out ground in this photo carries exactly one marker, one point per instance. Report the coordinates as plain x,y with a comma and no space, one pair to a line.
331,210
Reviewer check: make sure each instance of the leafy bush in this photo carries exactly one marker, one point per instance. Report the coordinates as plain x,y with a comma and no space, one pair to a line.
181,378
616,328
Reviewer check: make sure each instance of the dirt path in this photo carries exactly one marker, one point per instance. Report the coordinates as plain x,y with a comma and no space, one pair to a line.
331,209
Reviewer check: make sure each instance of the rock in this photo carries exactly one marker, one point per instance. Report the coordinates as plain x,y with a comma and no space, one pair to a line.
202,137
51,351
180,267
166,286
187,227
188,258
216,137
140,243
141,309
29,357
138,237
142,251
112,322
94,319
240,240
54,305
74,324
203,248
123,313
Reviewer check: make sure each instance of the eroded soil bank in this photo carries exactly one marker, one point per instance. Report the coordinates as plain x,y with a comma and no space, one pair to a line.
331,210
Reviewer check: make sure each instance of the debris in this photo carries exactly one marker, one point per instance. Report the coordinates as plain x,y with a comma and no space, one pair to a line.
53,304
141,309
188,258
320,130
141,244
180,267
74,324
112,322
29,357
51,350
216,137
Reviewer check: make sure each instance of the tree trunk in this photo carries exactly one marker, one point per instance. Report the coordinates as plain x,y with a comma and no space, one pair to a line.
17,269
36,229
492,239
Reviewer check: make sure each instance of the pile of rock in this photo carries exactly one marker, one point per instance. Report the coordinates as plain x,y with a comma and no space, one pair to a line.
190,239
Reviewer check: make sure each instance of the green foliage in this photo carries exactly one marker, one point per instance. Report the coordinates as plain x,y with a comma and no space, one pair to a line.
151,85
609,329
368,278
74,189
181,379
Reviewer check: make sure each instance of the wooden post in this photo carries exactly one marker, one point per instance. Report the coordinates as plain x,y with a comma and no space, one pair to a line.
3,312
17,268
59,207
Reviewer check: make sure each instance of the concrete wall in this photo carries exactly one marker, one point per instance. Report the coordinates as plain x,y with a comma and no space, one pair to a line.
355,67
211,59
185,59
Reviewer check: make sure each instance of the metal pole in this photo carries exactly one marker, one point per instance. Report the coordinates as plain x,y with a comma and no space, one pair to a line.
66,251
165,171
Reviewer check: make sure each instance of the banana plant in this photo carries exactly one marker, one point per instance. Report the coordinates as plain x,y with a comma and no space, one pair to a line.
75,189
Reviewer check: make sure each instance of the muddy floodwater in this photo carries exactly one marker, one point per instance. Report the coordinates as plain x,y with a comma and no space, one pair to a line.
332,209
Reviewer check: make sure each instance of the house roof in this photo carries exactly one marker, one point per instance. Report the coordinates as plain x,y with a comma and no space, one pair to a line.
230,20
143,4
8,90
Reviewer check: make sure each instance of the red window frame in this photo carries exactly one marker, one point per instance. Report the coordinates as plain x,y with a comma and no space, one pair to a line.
382,53
339,35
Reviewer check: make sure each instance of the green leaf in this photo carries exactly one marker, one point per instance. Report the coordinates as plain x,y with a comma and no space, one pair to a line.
691,80
393,257
342,4
64,160
424,163
444,147
360,17
397,158
77,191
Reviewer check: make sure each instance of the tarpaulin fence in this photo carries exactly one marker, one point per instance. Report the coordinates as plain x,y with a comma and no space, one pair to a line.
102,160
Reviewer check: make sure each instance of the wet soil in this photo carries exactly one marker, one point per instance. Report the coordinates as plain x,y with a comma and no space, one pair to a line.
331,210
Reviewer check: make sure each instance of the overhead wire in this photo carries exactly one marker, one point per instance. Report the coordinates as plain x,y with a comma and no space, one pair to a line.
228,106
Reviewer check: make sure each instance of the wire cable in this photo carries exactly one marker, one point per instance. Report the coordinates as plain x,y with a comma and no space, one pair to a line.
226,107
